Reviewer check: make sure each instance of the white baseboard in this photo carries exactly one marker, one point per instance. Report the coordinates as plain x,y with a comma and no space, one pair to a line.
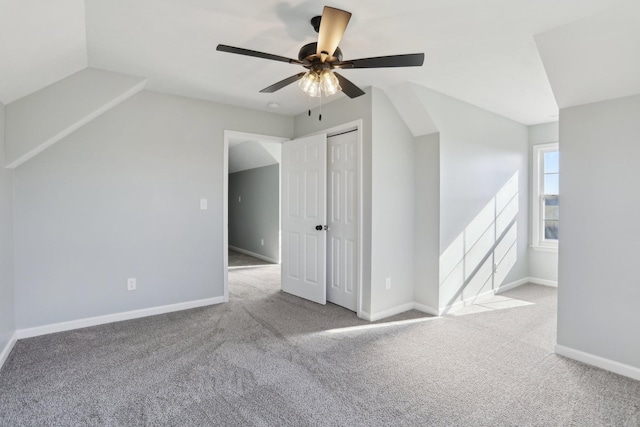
425,309
500,289
465,302
524,281
599,362
372,317
116,317
545,282
452,307
512,285
365,316
391,311
253,254
4,354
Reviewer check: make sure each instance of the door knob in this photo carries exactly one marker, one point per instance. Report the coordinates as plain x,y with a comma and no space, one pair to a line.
318,227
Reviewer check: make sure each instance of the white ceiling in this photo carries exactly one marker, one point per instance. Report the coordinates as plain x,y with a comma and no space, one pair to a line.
253,153
41,42
483,53
582,59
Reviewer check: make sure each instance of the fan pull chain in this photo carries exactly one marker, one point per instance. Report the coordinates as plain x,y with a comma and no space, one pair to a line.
320,116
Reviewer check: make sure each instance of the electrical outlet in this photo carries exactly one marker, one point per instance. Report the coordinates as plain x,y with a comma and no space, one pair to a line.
495,268
131,284
387,284
203,204
262,242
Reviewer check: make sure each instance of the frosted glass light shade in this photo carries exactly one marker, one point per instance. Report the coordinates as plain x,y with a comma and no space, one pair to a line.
329,82
310,84
313,84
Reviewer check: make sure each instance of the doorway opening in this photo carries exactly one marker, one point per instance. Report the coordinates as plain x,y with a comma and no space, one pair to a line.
251,202
335,236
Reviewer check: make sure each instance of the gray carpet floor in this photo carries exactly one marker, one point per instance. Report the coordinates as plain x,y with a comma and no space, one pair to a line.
270,359
238,259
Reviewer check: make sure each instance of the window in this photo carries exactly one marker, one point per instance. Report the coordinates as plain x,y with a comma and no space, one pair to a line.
546,197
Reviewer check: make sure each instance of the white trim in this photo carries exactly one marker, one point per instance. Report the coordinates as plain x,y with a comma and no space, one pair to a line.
465,302
537,241
253,254
372,317
77,125
452,307
116,317
359,126
425,309
225,217
503,288
6,351
598,361
512,285
364,315
524,281
544,248
391,311
545,282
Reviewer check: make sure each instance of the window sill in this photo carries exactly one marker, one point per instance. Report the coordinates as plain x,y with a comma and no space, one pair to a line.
539,248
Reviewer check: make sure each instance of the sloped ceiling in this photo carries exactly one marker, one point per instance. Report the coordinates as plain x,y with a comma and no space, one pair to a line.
483,53
247,154
41,42
596,58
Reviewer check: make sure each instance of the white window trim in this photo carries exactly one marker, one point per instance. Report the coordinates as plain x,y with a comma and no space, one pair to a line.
538,241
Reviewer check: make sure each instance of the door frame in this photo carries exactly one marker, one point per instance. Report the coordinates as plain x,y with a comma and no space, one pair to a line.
356,124
228,135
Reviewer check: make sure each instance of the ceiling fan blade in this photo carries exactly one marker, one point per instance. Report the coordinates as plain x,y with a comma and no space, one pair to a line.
349,89
409,60
332,26
286,82
256,54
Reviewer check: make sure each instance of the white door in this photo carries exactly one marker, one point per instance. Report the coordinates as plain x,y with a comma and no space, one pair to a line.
342,206
304,195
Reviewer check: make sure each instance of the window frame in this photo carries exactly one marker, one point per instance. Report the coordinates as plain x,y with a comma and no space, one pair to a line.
538,241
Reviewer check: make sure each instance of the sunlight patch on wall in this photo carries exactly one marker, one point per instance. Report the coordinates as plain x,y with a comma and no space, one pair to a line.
479,259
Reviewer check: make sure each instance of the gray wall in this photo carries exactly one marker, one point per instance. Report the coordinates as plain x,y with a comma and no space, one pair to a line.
7,318
119,198
257,215
481,154
599,291
542,264
483,161
427,219
392,207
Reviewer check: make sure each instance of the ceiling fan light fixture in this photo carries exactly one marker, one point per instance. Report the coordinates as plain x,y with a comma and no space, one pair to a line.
310,84
329,82
315,83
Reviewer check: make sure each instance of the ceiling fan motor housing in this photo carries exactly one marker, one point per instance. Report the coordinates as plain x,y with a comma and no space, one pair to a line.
315,22
308,52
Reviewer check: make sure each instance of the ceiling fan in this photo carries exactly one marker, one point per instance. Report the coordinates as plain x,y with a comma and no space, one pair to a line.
324,56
